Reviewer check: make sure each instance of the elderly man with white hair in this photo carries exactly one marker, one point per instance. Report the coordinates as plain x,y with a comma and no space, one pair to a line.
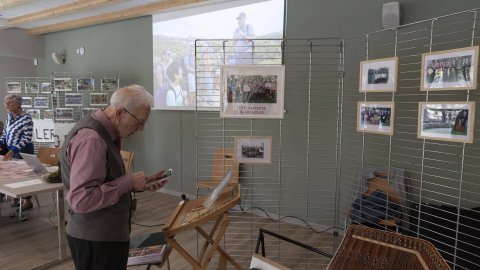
98,189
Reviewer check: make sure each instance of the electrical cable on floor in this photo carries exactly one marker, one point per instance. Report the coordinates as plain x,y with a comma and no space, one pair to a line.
294,217
145,225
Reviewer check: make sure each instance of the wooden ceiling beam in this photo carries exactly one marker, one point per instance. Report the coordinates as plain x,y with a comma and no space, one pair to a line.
113,16
11,3
60,10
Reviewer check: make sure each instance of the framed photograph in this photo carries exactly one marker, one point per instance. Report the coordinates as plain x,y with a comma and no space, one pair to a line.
109,84
14,87
62,84
64,114
45,87
255,91
40,102
48,114
253,149
85,84
446,121
379,75
450,70
98,99
31,87
73,99
87,111
26,102
375,117
34,113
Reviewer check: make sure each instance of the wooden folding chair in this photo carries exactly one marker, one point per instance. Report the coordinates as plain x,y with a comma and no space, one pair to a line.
223,160
49,155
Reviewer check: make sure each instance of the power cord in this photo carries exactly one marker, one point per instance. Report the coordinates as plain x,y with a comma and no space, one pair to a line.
146,225
294,217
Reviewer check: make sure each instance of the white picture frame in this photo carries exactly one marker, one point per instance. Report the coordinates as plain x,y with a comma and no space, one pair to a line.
40,102
87,111
98,99
110,84
376,117
14,87
34,113
446,121
64,114
450,69
48,114
45,87
379,75
27,102
73,99
252,91
31,87
253,149
62,84
86,84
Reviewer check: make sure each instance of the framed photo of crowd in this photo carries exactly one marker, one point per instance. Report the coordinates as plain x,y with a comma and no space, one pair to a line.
379,75
253,149
450,70
375,117
446,121
252,91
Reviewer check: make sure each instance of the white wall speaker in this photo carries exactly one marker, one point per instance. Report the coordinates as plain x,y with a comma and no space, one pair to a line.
59,58
391,15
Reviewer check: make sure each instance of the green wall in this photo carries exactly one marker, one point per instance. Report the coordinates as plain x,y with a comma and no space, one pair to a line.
125,48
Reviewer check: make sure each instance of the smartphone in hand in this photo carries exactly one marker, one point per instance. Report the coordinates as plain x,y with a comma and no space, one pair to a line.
162,177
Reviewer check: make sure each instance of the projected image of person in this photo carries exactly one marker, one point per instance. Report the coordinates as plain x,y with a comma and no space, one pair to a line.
207,75
161,78
189,66
243,43
175,95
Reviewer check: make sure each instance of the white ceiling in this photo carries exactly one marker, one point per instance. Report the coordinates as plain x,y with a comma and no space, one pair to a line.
68,14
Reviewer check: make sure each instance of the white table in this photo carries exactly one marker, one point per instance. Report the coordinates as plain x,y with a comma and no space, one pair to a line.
17,180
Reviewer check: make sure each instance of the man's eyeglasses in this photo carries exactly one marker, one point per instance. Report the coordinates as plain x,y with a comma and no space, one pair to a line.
142,123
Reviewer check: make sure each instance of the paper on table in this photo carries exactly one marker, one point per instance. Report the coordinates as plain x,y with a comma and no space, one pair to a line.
25,183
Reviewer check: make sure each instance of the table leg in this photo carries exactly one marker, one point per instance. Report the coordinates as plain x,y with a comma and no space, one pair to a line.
12,219
62,252
61,225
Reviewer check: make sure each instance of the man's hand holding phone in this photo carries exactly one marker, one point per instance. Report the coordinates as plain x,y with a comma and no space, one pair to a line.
158,180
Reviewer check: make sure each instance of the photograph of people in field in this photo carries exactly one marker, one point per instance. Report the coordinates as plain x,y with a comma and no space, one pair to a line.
252,89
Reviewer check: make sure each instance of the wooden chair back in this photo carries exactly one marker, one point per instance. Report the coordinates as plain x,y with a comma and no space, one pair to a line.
49,155
127,160
223,160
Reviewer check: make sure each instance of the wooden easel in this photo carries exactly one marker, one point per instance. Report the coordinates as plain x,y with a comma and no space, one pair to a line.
190,215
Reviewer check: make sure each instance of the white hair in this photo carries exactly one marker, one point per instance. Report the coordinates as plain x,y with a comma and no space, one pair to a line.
14,97
131,97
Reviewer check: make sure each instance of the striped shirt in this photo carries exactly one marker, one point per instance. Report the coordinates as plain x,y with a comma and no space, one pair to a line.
18,132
